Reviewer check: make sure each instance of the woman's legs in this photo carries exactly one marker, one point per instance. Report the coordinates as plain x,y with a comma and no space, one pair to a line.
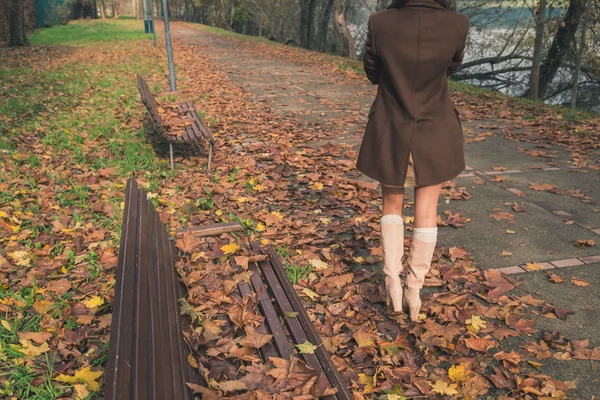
422,246
392,240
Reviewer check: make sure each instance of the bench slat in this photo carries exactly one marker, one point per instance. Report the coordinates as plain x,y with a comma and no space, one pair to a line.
119,369
273,321
331,371
142,344
268,350
293,325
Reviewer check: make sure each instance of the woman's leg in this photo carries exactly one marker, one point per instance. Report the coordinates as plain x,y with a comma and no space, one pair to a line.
422,246
393,200
392,240
426,210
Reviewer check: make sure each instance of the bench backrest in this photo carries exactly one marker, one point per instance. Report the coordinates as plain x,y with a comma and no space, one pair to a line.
148,100
147,355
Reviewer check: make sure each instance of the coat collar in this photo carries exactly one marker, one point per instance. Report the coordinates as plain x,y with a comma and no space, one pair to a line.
424,4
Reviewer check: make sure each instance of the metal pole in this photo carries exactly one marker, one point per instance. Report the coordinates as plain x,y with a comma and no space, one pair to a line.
169,46
146,25
152,21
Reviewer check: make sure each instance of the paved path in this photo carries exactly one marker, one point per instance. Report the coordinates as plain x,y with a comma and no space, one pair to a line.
545,232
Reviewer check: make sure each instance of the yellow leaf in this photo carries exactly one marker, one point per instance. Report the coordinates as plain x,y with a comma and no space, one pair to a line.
6,325
408,219
442,387
260,227
306,347
310,293
31,350
458,373
218,213
94,302
370,382
64,269
510,232
84,375
21,258
81,392
318,264
3,214
533,266
241,199
318,185
260,188
230,248
192,361
475,324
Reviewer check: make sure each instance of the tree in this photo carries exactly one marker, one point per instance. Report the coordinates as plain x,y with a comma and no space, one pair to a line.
580,52
563,40
307,15
540,19
18,36
324,25
348,44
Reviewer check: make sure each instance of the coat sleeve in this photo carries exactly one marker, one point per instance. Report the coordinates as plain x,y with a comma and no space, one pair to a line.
459,55
371,58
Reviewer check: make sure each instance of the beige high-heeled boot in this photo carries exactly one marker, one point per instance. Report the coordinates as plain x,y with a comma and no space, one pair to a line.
419,263
392,241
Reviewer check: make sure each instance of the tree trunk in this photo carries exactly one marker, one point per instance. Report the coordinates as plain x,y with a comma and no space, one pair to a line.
324,26
304,24
310,30
17,24
540,18
102,9
115,14
580,53
563,40
348,45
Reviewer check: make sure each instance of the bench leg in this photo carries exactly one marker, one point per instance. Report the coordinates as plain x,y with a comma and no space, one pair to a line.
171,155
210,150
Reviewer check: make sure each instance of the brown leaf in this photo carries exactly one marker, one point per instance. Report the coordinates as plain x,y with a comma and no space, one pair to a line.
578,282
188,243
503,215
554,278
254,339
59,286
542,187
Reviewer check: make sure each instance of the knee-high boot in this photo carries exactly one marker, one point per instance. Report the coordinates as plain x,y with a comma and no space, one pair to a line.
419,263
392,238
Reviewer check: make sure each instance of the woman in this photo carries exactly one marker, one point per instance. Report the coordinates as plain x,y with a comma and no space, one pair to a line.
414,135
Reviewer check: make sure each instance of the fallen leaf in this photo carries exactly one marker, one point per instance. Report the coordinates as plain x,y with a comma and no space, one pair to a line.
306,347
554,278
94,302
84,375
578,282
230,248
458,373
533,266
444,388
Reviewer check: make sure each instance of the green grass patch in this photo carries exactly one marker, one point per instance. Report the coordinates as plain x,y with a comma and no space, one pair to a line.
89,33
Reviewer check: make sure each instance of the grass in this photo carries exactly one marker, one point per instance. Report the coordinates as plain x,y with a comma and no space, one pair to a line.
72,110
89,33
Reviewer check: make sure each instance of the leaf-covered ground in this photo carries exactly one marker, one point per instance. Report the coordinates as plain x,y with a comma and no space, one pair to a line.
72,131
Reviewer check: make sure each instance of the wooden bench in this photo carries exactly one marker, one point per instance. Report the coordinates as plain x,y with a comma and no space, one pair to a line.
148,355
194,131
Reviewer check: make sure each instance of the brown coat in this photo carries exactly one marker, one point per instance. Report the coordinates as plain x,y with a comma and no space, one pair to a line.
410,52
